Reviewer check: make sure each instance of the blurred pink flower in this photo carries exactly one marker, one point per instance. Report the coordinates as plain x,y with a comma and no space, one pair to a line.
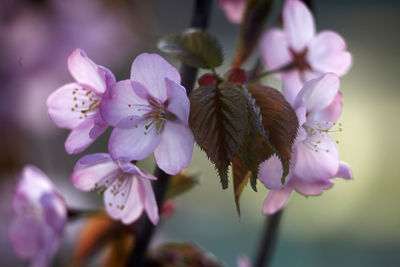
150,113
127,189
41,216
233,9
243,261
312,54
315,159
75,106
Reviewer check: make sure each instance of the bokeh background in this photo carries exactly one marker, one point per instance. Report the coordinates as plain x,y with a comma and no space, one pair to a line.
356,223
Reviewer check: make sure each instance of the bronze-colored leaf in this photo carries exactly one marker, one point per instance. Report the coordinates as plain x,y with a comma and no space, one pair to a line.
241,176
180,183
180,254
194,47
255,14
279,121
218,118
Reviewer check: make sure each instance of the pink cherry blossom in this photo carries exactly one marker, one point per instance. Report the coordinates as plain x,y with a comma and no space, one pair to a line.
243,261
312,54
127,189
76,105
315,159
41,216
150,112
233,9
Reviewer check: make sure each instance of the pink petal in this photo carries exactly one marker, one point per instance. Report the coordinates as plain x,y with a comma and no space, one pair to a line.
86,72
99,127
55,211
276,200
25,237
131,168
32,184
233,9
132,143
65,105
178,102
310,189
327,53
92,170
332,112
298,24
318,94
148,199
275,49
121,102
270,173
79,138
243,261
291,85
344,171
175,149
151,70
314,164
108,75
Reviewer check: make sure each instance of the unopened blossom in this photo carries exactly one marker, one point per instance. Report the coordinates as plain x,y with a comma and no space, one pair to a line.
311,54
315,158
41,216
150,112
233,9
127,189
76,105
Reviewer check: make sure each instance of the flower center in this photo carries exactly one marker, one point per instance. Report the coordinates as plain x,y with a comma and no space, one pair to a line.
86,102
300,60
316,131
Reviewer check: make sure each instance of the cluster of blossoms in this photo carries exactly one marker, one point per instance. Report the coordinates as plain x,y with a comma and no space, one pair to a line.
312,88
149,113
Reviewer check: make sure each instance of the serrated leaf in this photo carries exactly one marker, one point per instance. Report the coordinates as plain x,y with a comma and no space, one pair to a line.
181,183
255,14
240,178
194,47
279,121
218,119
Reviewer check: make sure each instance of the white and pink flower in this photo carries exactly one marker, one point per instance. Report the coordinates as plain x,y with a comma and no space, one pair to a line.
150,112
315,158
127,189
76,105
234,9
311,54
41,216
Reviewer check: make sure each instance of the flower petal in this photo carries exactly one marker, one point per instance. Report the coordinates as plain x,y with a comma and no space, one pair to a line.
132,143
92,170
55,211
86,72
151,70
25,237
318,94
310,189
108,75
330,113
120,102
175,149
98,128
79,138
291,85
298,24
148,199
131,168
327,53
344,171
68,105
316,164
270,173
275,49
32,184
233,9
276,200
178,102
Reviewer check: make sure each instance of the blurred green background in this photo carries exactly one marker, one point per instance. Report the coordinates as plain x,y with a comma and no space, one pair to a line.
356,223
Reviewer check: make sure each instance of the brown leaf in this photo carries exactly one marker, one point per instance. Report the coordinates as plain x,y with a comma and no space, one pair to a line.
218,119
241,176
255,14
180,183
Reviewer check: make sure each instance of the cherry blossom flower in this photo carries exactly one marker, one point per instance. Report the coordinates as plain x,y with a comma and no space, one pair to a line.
233,9
41,216
150,113
315,158
75,106
243,261
312,54
127,189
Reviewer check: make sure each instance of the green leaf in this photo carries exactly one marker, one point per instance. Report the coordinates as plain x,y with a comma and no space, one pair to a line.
218,119
194,47
181,183
255,14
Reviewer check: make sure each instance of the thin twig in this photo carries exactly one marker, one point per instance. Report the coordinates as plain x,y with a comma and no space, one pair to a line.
268,241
